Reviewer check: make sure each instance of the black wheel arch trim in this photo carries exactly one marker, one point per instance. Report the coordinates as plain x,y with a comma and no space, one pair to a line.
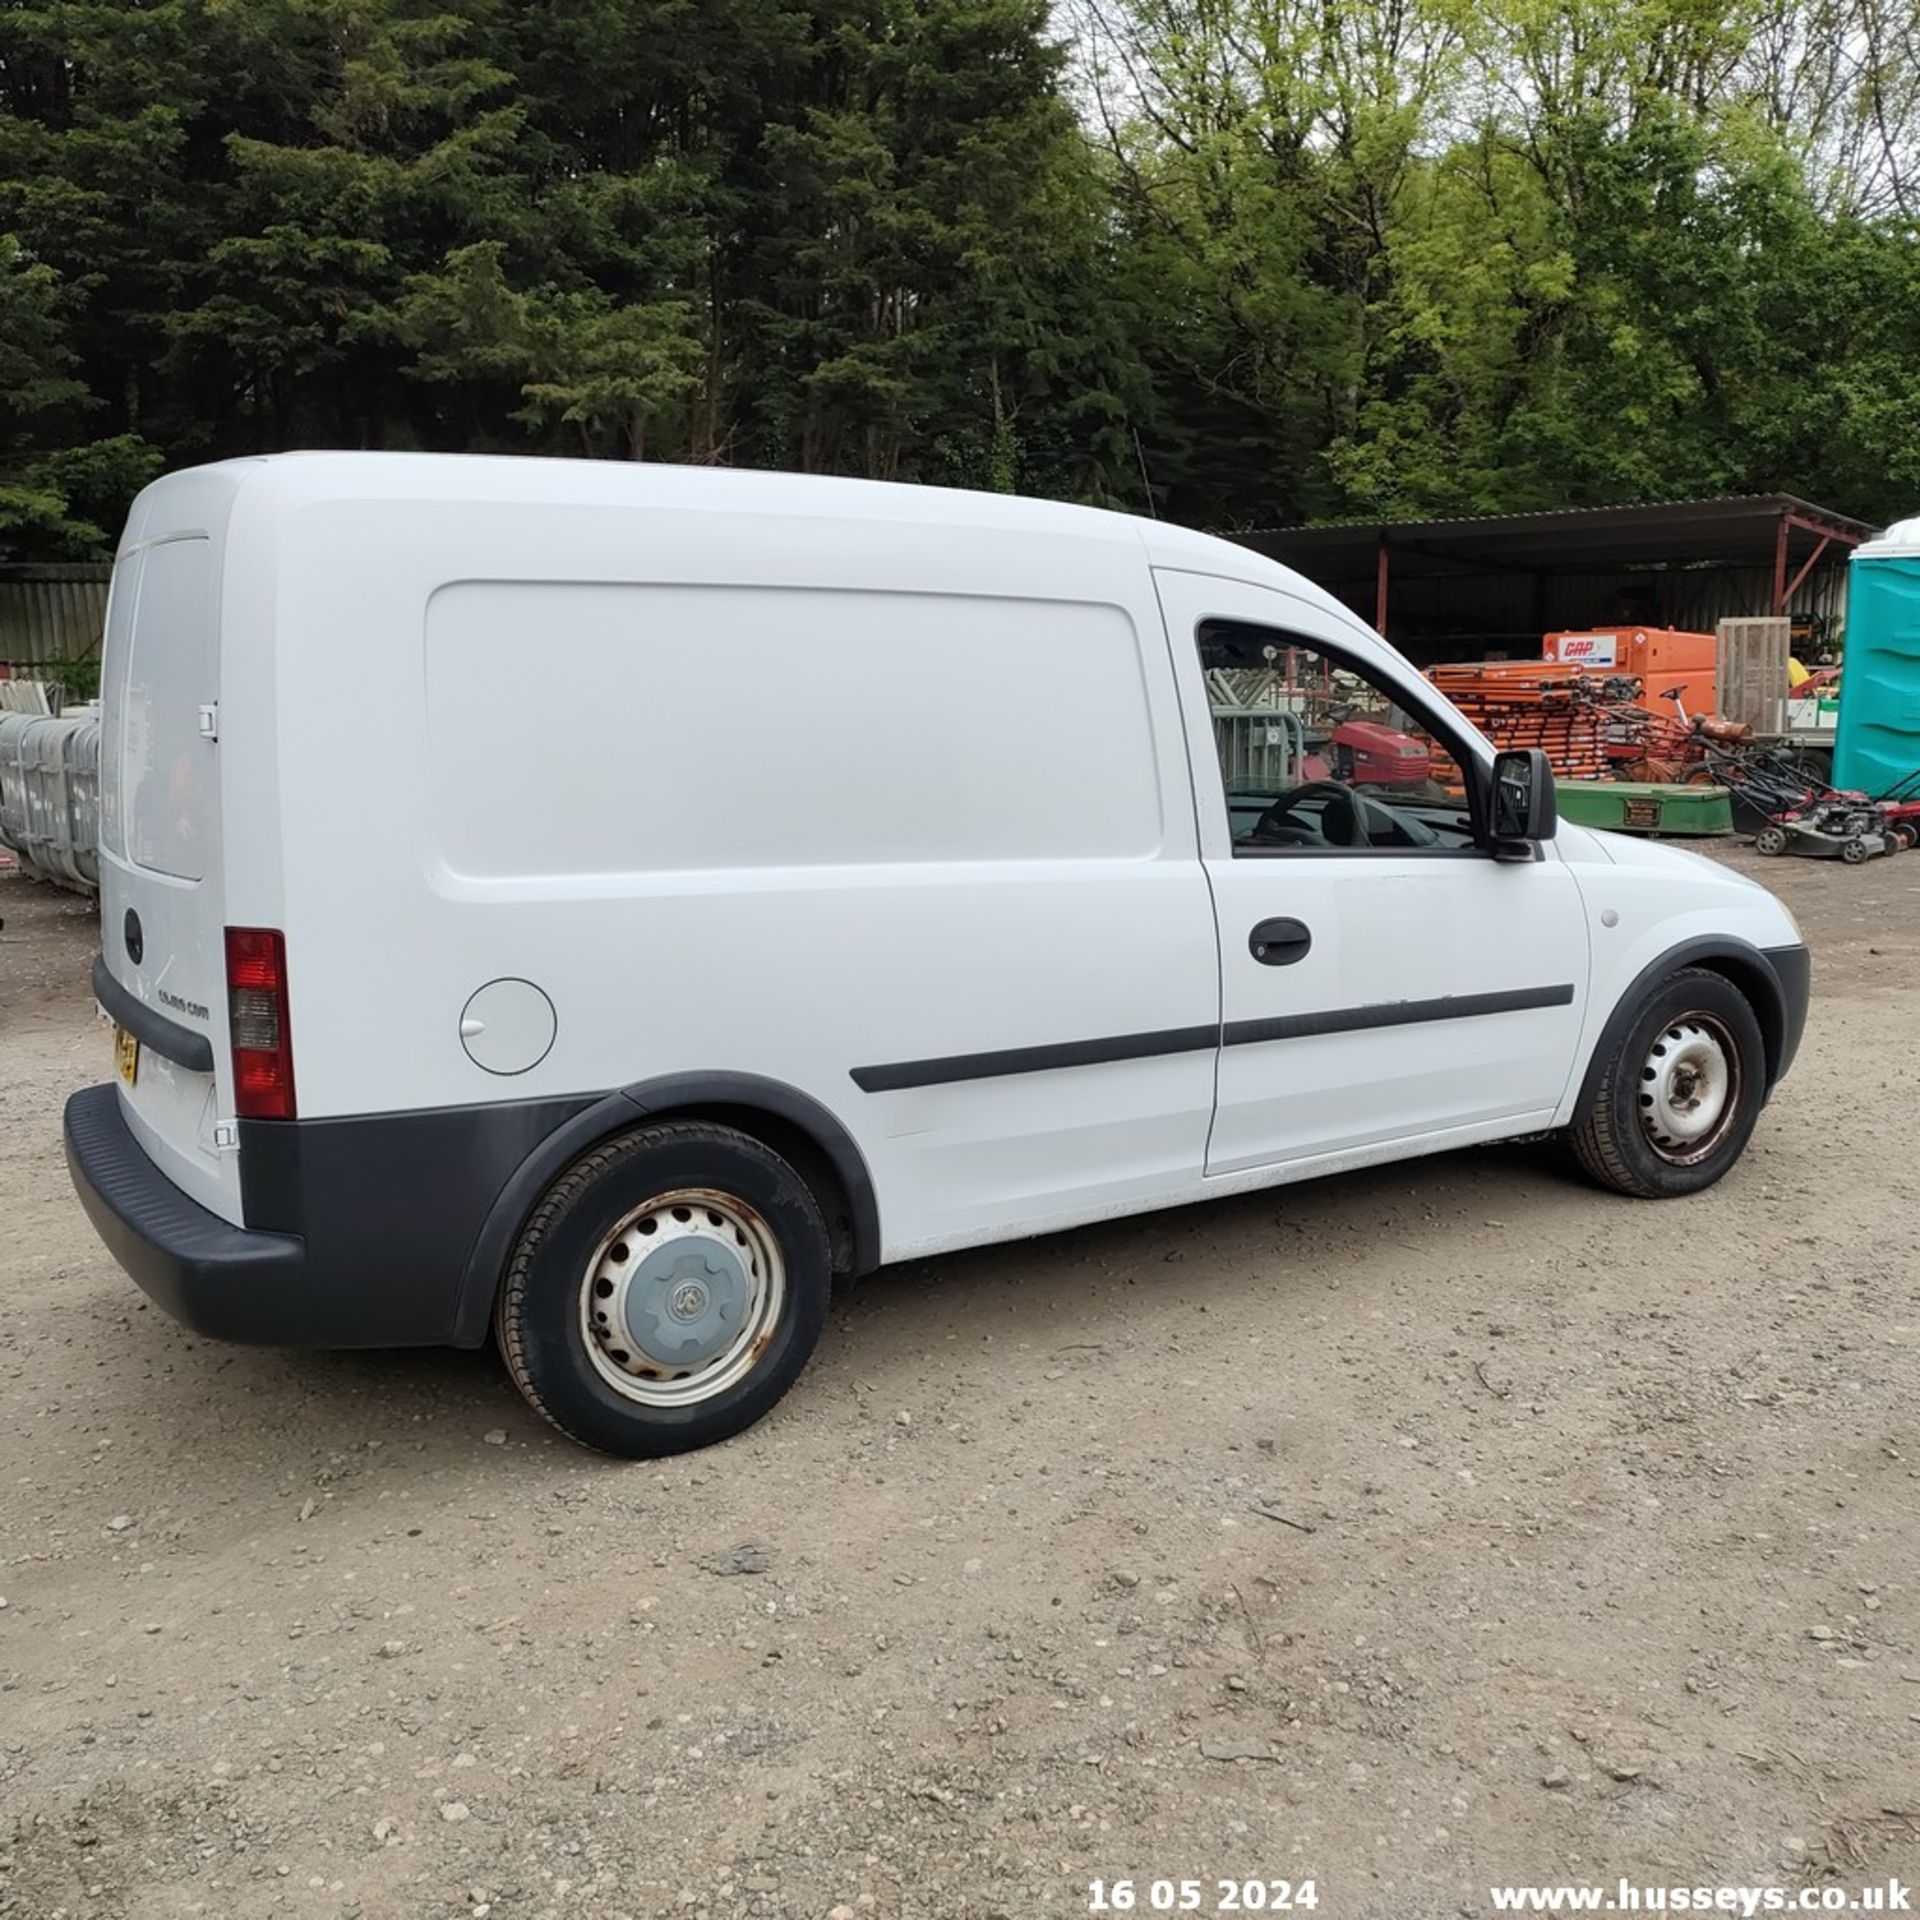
1775,980
614,1113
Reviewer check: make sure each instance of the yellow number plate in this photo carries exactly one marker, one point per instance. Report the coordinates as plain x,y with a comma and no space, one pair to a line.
126,1055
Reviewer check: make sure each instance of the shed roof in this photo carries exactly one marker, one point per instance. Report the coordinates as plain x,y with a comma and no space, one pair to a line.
1733,529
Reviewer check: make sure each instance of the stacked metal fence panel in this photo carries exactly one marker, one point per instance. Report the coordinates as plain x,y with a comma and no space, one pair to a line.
29,696
1257,728
1260,750
50,795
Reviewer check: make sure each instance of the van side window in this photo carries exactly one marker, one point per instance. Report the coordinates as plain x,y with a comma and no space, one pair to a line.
1316,757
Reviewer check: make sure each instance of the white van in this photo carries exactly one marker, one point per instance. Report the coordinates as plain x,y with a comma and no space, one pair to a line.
602,903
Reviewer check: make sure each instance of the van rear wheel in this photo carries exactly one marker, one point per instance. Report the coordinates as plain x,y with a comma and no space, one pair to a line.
666,1291
1676,1101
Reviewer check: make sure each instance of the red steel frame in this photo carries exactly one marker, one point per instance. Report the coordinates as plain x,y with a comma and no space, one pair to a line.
1783,588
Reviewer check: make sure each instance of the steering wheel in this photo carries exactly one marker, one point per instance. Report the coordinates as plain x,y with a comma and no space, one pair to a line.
1339,822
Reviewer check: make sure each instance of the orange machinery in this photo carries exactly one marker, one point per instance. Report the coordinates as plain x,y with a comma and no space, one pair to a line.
1576,709
1661,658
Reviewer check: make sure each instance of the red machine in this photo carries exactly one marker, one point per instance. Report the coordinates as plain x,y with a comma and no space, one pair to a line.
1366,753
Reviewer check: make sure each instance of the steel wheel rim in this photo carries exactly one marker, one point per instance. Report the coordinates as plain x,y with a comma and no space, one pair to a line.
1690,1088
681,1297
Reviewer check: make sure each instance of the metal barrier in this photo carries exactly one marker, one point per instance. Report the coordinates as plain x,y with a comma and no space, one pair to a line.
50,795
28,696
1260,748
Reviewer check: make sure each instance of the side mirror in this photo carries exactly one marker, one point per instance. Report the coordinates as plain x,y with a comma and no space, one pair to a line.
1521,808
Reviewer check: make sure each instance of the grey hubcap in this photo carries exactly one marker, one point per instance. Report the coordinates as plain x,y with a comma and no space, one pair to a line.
682,1297
1689,1089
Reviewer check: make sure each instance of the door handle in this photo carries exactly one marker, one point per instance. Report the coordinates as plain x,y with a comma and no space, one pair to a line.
1279,943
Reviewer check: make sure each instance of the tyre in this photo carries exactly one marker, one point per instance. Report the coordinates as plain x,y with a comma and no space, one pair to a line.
1770,840
1675,1103
1853,852
666,1291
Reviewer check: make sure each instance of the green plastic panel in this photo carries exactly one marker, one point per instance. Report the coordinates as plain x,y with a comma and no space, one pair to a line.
1877,741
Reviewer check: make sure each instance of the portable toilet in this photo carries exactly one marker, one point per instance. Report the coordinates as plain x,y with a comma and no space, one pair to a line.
1877,740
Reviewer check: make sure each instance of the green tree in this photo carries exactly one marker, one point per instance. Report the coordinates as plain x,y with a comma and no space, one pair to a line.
1235,261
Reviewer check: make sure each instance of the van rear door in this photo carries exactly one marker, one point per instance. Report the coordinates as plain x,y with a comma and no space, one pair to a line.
161,896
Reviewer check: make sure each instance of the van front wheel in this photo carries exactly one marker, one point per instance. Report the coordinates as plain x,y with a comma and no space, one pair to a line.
1676,1101
666,1291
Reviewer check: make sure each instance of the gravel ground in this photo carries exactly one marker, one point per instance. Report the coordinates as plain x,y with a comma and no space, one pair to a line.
1437,1526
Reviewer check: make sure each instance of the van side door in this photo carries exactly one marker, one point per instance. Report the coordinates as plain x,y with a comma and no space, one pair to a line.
1384,979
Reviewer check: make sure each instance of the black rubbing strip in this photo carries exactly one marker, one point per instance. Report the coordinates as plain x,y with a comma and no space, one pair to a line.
149,1025
1238,1033
1066,1053
1393,1013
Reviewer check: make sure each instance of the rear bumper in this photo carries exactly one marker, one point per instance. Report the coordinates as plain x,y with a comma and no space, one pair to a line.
361,1231
212,1276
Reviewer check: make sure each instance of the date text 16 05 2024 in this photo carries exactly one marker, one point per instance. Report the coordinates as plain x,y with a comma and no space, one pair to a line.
1210,1896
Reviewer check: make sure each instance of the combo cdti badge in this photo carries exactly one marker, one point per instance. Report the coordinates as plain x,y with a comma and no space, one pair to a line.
602,903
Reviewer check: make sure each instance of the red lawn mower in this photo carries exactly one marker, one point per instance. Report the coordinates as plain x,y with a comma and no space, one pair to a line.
1369,754
1805,816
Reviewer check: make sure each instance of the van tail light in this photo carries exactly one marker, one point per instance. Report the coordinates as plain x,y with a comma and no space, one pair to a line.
257,1019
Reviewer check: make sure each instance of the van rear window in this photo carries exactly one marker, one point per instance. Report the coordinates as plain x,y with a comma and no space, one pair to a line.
685,727
161,799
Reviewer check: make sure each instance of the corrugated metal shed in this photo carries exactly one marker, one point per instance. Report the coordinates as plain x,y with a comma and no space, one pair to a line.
1491,584
52,612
